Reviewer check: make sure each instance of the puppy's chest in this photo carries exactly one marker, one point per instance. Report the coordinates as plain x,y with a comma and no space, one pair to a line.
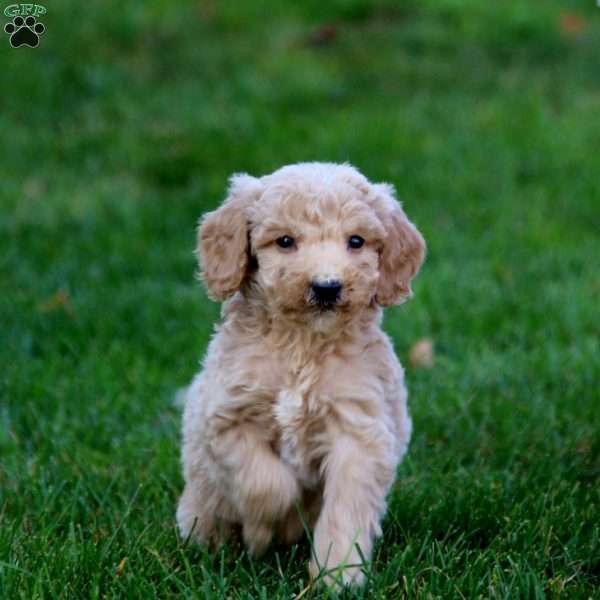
300,414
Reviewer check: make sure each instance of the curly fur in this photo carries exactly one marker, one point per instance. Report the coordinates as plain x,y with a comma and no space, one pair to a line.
299,413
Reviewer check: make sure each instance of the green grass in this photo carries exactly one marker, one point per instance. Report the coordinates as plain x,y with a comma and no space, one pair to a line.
121,129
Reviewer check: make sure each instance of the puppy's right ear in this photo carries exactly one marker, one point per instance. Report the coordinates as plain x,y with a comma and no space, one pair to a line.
223,238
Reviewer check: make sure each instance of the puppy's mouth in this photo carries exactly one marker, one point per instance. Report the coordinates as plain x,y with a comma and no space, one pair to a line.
325,307
328,307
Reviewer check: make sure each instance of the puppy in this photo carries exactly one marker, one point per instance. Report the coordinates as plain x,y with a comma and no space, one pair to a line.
298,416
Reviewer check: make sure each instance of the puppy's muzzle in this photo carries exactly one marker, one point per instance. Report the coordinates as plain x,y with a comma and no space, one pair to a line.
326,293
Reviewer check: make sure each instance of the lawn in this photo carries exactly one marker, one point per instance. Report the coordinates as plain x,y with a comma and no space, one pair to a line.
122,127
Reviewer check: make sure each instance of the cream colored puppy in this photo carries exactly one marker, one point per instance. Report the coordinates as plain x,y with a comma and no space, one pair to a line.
300,407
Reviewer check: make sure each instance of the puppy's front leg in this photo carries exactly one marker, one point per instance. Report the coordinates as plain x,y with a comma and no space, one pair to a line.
357,477
262,487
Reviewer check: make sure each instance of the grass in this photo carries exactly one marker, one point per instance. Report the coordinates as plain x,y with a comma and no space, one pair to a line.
121,129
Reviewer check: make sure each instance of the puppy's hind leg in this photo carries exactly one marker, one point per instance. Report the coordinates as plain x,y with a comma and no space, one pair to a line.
202,511
192,519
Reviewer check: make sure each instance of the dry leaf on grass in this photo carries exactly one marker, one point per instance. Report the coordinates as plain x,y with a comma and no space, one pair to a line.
58,301
421,354
121,567
571,24
322,36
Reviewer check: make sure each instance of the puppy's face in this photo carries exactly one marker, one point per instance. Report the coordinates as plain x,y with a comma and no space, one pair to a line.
313,240
316,251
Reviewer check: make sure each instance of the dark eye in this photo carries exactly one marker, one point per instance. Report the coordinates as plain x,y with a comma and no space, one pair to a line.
285,241
355,241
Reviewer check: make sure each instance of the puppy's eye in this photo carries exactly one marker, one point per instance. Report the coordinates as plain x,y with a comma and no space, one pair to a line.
285,241
355,242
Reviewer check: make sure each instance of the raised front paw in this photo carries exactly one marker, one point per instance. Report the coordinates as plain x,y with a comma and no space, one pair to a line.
257,536
267,492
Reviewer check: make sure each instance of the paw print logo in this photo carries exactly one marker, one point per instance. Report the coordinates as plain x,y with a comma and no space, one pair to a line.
24,31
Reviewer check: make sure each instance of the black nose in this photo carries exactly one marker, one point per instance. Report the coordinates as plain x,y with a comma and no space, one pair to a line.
326,292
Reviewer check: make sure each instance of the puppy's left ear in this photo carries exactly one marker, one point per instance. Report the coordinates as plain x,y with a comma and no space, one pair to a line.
223,238
403,251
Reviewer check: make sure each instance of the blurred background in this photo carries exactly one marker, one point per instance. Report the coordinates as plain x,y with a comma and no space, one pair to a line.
123,126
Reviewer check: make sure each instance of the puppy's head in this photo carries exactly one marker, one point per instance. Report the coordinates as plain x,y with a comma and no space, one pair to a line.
311,239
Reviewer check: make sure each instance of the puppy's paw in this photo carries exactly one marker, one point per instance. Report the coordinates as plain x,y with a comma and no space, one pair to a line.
337,576
257,536
192,519
268,494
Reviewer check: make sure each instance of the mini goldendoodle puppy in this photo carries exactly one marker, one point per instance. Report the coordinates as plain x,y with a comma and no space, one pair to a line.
299,413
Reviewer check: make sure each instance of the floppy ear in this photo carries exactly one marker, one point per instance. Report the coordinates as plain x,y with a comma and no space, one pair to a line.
223,239
403,249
